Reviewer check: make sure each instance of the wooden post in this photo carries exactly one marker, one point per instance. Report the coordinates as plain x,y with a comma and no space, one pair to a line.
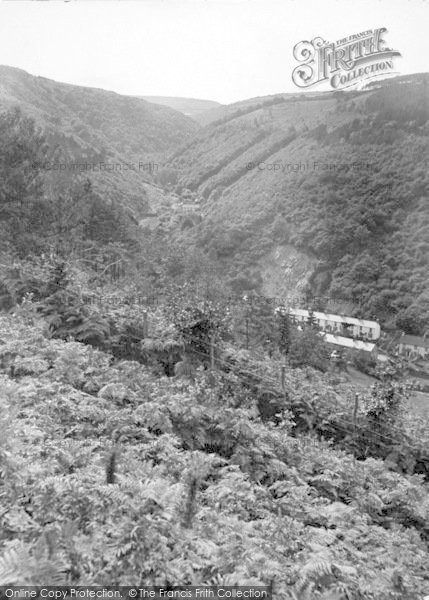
355,410
283,370
212,353
145,324
283,373
90,355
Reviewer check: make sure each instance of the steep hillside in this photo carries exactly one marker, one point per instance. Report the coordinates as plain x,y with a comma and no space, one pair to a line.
87,126
130,125
342,177
191,107
224,112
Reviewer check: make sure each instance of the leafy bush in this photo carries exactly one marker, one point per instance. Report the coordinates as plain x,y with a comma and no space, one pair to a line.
308,348
67,316
364,361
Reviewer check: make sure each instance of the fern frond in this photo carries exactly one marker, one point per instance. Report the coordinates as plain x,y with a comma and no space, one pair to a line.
13,564
314,570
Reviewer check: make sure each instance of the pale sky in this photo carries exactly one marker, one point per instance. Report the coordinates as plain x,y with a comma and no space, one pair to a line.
224,50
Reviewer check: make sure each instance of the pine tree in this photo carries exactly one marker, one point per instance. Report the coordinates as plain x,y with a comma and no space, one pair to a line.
284,330
311,319
22,151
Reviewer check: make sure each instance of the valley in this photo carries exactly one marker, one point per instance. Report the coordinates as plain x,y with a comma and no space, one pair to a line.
194,386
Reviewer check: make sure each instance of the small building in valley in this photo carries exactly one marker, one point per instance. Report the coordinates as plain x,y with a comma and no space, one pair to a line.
337,325
413,346
349,343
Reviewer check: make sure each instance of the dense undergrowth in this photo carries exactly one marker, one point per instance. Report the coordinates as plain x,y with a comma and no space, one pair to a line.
111,474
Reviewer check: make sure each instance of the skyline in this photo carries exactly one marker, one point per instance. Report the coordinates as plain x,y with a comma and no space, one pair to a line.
221,50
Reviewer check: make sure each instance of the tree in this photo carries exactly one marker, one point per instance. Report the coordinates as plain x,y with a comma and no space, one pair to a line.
411,320
284,330
201,322
167,177
307,348
23,152
311,319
